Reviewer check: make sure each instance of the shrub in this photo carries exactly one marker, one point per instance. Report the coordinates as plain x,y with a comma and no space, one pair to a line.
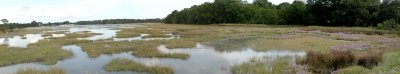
342,58
327,62
388,25
369,58
337,59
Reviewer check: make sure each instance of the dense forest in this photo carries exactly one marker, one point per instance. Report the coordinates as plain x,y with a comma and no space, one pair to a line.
313,12
120,21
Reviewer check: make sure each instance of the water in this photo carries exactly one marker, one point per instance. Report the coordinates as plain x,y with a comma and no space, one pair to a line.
204,59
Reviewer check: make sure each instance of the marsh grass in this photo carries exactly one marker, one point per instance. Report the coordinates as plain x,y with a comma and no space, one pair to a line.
326,62
37,71
298,43
128,32
47,51
349,30
46,34
258,66
128,65
140,48
390,63
155,53
157,36
369,58
180,43
354,70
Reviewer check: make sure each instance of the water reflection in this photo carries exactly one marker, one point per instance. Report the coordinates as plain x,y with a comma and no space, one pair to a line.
18,41
203,60
105,31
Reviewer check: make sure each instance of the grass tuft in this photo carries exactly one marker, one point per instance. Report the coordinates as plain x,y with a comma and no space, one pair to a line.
128,65
37,71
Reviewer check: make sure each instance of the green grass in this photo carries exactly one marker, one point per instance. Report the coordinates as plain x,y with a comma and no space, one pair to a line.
257,66
157,36
154,53
350,30
37,71
128,65
299,43
47,51
354,70
140,48
390,64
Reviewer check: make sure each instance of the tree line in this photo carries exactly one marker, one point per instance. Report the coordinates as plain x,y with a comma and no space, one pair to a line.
313,12
9,27
119,21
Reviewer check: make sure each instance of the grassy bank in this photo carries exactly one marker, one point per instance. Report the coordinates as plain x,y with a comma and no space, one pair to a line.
37,71
128,65
141,48
262,66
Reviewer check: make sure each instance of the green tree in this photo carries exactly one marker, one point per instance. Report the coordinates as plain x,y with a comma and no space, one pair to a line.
263,3
345,12
295,13
390,9
5,21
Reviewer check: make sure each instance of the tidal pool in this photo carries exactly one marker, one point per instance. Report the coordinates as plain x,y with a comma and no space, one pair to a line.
204,59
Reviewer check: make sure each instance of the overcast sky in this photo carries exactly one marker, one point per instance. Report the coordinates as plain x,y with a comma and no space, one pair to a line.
23,11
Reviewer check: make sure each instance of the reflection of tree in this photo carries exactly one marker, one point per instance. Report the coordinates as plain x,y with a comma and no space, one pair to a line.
229,45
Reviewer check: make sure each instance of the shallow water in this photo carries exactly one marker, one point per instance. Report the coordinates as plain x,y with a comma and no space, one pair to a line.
204,59
18,41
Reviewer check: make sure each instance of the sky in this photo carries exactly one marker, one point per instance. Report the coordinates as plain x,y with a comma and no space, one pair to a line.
25,11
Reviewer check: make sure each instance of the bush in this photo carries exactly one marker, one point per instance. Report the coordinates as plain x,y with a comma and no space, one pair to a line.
388,25
337,59
369,58
327,62
342,58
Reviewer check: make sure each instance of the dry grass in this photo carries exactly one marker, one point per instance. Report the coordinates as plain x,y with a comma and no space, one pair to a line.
128,65
155,53
369,58
339,59
349,30
157,36
140,48
257,66
37,71
298,43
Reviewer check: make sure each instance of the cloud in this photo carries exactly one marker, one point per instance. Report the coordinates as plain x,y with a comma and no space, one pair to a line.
75,10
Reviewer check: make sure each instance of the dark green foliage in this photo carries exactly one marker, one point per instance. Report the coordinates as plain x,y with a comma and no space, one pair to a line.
294,14
226,11
344,12
9,27
388,25
315,12
390,9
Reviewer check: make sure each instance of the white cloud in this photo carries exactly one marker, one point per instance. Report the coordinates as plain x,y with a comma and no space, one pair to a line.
74,10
